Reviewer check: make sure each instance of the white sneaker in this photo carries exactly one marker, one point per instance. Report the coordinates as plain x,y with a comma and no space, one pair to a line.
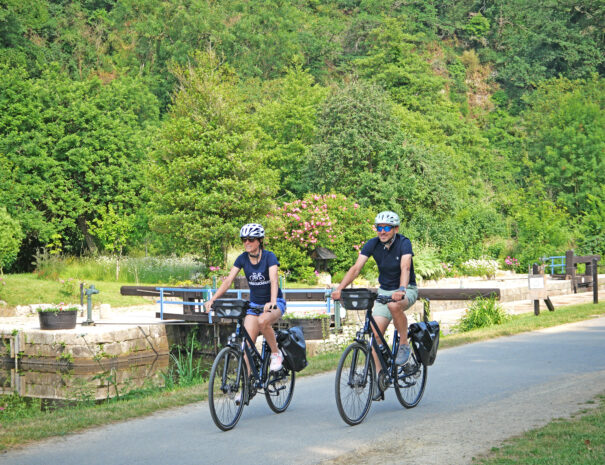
276,362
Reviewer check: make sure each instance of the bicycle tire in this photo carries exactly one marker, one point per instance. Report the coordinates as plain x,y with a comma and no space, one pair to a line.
224,390
410,387
354,400
279,387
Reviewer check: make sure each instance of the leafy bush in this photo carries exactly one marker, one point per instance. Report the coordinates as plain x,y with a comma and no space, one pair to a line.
427,264
482,313
68,287
11,237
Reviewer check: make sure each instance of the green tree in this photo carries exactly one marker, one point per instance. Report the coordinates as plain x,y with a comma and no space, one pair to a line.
207,176
540,227
70,148
363,153
11,236
566,139
289,124
113,229
591,230
535,40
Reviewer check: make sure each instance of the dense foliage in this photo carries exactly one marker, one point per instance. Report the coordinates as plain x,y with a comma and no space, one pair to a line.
130,126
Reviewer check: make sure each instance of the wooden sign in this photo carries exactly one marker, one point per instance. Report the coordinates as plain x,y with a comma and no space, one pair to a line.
537,286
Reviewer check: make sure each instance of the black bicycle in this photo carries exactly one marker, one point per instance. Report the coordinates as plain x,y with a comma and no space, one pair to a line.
355,375
230,385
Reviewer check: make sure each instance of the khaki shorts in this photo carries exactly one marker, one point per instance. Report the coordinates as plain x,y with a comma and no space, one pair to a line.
382,310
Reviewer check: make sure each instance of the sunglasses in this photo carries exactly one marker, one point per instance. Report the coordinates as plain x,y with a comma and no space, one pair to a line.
384,228
249,239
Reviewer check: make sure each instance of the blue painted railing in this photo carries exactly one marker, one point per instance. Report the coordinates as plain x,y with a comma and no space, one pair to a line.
556,262
209,292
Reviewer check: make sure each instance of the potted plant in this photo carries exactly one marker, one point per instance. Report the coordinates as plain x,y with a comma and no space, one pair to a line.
314,326
58,317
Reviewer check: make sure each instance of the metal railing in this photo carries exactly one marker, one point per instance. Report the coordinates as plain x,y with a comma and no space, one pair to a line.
237,293
557,262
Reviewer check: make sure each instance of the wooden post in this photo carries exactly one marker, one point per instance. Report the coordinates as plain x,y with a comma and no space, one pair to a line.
549,304
595,282
534,271
81,299
570,270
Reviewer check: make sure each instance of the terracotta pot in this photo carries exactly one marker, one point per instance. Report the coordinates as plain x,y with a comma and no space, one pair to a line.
65,319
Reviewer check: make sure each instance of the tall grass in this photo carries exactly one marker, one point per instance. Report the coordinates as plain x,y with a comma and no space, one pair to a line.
482,313
139,270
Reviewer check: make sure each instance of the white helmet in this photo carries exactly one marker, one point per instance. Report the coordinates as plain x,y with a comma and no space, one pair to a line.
387,217
252,230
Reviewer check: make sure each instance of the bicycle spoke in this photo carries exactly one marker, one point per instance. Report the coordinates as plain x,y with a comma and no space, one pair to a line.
353,384
279,387
410,384
226,389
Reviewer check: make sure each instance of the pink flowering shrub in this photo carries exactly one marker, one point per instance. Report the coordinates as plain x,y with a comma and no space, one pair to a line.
331,220
511,263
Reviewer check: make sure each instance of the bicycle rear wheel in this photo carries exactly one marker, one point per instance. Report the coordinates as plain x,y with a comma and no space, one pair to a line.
354,390
410,384
279,387
227,388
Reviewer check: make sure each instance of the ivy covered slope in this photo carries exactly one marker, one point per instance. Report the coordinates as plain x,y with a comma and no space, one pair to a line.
163,126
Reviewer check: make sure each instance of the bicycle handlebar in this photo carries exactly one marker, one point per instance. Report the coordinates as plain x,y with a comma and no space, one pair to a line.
385,299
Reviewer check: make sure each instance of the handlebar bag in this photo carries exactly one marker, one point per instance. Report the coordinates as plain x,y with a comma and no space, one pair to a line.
425,337
356,299
230,308
292,344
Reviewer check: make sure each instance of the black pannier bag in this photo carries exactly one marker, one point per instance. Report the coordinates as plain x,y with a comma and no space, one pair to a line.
292,344
356,299
425,337
229,308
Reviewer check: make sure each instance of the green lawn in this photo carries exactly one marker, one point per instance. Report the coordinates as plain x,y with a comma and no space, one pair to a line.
24,289
576,441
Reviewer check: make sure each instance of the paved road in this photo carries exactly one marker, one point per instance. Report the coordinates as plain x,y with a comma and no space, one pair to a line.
476,396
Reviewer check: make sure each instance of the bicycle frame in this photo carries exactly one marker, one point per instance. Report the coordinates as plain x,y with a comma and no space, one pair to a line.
244,343
386,365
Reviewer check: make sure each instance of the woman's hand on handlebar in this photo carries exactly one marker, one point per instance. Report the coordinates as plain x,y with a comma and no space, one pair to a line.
270,306
398,295
208,305
336,295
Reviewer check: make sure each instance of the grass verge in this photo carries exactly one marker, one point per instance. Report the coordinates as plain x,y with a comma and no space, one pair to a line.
36,425
24,289
577,441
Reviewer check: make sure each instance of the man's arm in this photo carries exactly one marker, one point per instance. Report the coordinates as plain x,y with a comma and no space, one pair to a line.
404,278
350,275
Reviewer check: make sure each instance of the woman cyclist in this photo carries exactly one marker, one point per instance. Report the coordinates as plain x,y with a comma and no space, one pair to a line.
267,304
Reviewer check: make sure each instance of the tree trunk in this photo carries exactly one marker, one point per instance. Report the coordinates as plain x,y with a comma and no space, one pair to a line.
90,243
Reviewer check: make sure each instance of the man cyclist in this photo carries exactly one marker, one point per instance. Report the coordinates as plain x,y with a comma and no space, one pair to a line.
393,255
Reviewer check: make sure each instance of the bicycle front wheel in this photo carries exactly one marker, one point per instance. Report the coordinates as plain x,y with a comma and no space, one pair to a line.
411,380
354,384
227,388
279,387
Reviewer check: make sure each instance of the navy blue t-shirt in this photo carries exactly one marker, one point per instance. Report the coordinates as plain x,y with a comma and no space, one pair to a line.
258,276
389,260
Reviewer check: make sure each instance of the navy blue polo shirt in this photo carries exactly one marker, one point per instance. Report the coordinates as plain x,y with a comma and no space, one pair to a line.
258,276
389,260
